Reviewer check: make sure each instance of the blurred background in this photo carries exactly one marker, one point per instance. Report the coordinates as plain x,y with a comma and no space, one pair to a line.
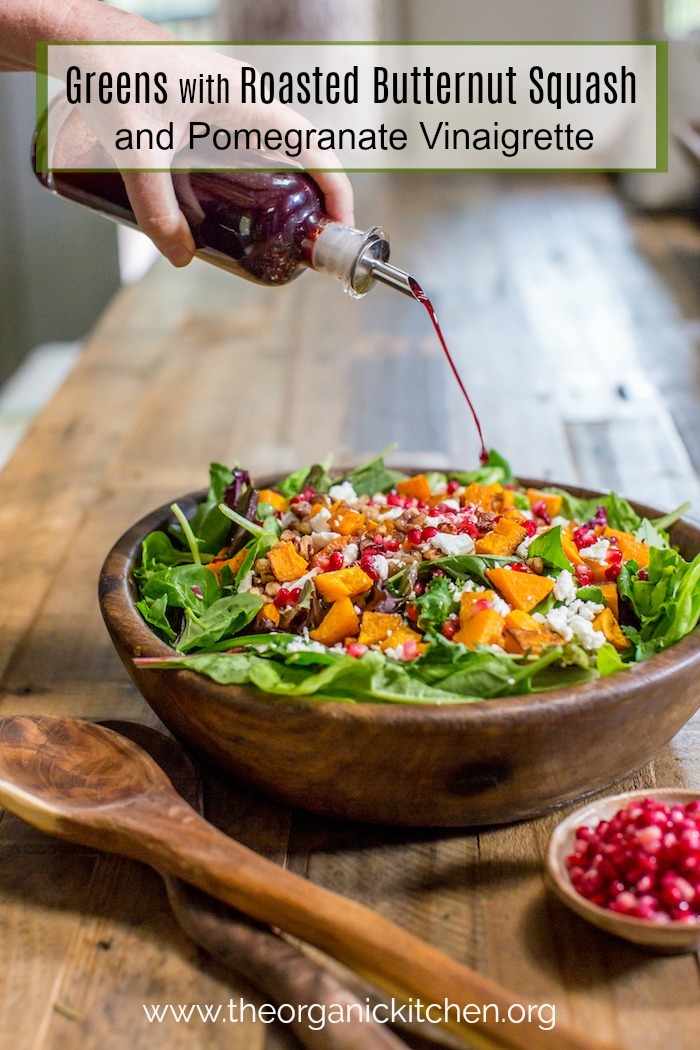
593,279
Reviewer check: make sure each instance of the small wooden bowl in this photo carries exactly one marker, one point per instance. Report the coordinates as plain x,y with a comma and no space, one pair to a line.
667,938
459,765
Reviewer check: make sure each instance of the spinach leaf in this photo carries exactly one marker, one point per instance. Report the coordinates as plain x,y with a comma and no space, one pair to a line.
667,604
621,515
259,548
495,471
208,524
609,661
316,475
182,586
154,612
374,476
226,616
548,547
158,552
591,594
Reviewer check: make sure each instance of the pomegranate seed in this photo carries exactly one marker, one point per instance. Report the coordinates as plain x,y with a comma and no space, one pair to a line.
643,574
394,500
356,649
412,612
449,629
434,512
294,595
539,509
418,588
336,560
481,605
391,544
600,518
613,556
282,598
584,537
410,649
413,536
308,494
427,533
584,575
323,561
452,487
519,566
529,526
643,862
470,528
367,566
437,573
613,571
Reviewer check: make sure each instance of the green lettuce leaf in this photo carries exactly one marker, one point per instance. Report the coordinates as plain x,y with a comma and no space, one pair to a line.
548,547
226,616
435,604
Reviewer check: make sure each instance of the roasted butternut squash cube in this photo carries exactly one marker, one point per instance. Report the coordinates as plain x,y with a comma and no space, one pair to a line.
402,635
346,521
504,538
275,499
519,640
343,583
470,599
612,597
336,544
607,623
522,590
269,612
233,563
631,547
522,621
416,487
482,496
286,563
570,549
341,621
551,500
483,628
376,626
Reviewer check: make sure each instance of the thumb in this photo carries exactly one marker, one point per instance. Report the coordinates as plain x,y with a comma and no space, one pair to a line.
157,212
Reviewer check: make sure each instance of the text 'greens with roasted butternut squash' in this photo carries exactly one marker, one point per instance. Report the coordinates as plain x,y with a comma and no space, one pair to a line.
435,588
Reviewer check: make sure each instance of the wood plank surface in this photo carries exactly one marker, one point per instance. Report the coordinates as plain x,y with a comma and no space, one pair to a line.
576,327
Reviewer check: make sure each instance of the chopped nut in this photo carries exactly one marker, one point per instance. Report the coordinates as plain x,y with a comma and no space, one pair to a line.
272,588
536,564
262,565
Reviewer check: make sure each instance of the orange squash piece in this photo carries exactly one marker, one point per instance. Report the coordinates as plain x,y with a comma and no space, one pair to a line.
522,590
612,597
233,563
416,487
336,544
468,601
376,626
341,621
482,496
286,563
275,499
607,623
551,500
483,628
343,583
504,538
401,635
631,547
519,640
269,612
569,547
345,521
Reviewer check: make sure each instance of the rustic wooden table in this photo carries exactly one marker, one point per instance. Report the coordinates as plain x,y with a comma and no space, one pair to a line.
578,342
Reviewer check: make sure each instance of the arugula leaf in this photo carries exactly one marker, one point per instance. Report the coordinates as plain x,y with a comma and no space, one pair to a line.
435,604
158,552
651,535
463,566
226,616
259,548
548,547
293,483
495,471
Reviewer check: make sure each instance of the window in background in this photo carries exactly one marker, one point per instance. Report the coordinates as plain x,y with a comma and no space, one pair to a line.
681,17
189,19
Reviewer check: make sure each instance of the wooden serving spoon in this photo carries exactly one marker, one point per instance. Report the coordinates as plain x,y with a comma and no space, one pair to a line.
82,782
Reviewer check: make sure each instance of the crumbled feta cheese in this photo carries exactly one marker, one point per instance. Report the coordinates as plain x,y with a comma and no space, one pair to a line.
287,518
291,584
589,610
344,491
453,546
597,551
320,540
319,522
501,607
467,587
440,488
451,504
304,645
522,549
380,566
391,514
351,552
565,588
380,499
395,654
246,583
570,624
558,520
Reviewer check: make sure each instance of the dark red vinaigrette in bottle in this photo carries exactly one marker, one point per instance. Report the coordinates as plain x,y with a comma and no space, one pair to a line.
264,226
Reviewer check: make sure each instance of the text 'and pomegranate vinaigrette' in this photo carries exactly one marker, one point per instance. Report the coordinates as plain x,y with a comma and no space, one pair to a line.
265,226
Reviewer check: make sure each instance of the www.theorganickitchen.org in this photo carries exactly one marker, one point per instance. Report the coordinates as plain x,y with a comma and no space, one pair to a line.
317,1016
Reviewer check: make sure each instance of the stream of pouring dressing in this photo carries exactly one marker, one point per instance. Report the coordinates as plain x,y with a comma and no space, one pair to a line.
422,298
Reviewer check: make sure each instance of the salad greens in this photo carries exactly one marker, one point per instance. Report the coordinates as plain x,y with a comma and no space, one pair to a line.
439,588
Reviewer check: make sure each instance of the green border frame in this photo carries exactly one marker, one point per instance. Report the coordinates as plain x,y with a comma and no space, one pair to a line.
662,118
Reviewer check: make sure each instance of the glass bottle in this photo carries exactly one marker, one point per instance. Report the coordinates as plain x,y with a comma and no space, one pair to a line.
264,226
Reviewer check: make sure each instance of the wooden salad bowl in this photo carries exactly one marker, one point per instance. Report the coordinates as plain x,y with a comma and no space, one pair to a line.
485,762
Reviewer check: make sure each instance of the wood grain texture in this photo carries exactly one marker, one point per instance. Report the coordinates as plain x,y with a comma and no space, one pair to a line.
576,328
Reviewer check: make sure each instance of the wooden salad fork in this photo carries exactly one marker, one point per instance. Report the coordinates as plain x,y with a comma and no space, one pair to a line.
80,781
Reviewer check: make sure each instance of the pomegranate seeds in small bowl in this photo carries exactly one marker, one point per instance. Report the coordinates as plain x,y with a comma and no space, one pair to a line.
630,864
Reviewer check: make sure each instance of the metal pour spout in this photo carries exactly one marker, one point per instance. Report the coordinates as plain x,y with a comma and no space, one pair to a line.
391,275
